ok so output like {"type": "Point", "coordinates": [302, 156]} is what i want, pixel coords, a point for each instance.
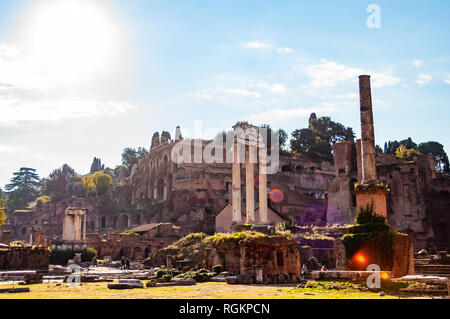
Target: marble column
{"type": "Point", "coordinates": [84, 226]}
{"type": "Point", "coordinates": [236, 185]}
{"type": "Point", "coordinates": [263, 186]}
{"type": "Point", "coordinates": [249, 185]}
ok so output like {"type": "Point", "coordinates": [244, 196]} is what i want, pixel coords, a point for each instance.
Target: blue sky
{"type": "Point", "coordinates": [89, 81]}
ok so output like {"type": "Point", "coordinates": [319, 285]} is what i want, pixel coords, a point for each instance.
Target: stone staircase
{"type": "Point", "coordinates": [436, 270]}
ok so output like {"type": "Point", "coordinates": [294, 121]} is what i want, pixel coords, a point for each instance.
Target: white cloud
{"type": "Point", "coordinates": [257, 45]}
{"type": "Point", "coordinates": [417, 63]}
{"type": "Point", "coordinates": [283, 115]}
{"type": "Point", "coordinates": [285, 50]}
{"type": "Point", "coordinates": [274, 88]}
{"type": "Point", "coordinates": [423, 79]}
{"type": "Point", "coordinates": [17, 112]}
{"type": "Point", "coordinates": [331, 74]}
{"type": "Point", "coordinates": [447, 81]}
{"type": "Point", "coordinates": [240, 92]}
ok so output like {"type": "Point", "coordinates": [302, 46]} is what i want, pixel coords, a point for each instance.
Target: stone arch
{"type": "Point", "coordinates": [125, 252]}
{"type": "Point", "coordinates": [138, 254]}
{"type": "Point", "coordinates": [352, 188]}
{"type": "Point", "coordinates": [160, 189]}
{"type": "Point", "coordinates": [165, 168]}
{"type": "Point", "coordinates": [113, 222]}
{"type": "Point", "coordinates": [136, 220]}
{"type": "Point", "coordinates": [124, 221]}
{"type": "Point", "coordinates": [148, 251]}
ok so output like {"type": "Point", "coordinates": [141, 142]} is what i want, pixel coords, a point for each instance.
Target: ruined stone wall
{"type": "Point", "coordinates": [417, 203]}
{"type": "Point", "coordinates": [28, 258]}
{"type": "Point", "coordinates": [282, 258]}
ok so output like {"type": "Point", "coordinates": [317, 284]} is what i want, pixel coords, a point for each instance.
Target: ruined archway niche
{"type": "Point", "coordinates": [74, 224]}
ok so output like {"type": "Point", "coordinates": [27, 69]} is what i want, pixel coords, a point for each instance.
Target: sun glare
{"type": "Point", "coordinates": [73, 40]}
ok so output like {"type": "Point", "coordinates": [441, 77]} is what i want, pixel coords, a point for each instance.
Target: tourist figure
{"type": "Point", "coordinates": [127, 264]}
{"type": "Point", "coordinates": [123, 263]}
{"type": "Point", "coordinates": [305, 270]}
{"type": "Point", "coordinates": [94, 261]}
{"type": "Point", "coordinates": [323, 268]}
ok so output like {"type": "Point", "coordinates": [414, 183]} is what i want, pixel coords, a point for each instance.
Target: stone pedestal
{"type": "Point", "coordinates": [375, 196]}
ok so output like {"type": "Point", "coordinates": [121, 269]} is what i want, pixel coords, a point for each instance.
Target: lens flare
{"type": "Point", "coordinates": [276, 195]}
{"type": "Point", "coordinates": [360, 258]}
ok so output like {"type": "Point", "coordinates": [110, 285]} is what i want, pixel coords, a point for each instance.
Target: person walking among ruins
{"type": "Point", "coordinates": [127, 264]}
{"type": "Point", "coordinates": [305, 270]}
{"type": "Point", "coordinates": [94, 261]}
{"type": "Point", "coordinates": [123, 263]}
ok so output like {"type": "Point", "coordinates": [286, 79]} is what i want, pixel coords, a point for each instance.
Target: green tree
{"type": "Point", "coordinates": [318, 139]}
{"type": "Point", "coordinates": [102, 182]}
{"type": "Point", "coordinates": [130, 156]}
{"type": "Point", "coordinates": [440, 156]}
{"type": "Point", "coordinates": [97, 165]}
{"type": "Point", "coordinates": [56, 183]}
{"type": "Point", "coordinates": [409, 144]}
{"type": "Point", "coordinates": [2, 214]}
{"type": "Point", "coordinates": [97, 183]}
{"type": "Point", "coordinates": [391, 147]}
{"type": "Point", "coordinates": [23, 188]}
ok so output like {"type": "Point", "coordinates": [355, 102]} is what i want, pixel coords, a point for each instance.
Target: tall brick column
{"type": "Point", "coordinates": [369, 190]}
{"type": "Point", "coordinates": [369, 171]}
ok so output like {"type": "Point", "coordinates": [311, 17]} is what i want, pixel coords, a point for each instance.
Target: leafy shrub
{"type": "Point", "coordinates": [368, 216]}
{"type": "Point", "coordinates": [62, 256]}
{"type": "Point", "coordinates": [370, 236]}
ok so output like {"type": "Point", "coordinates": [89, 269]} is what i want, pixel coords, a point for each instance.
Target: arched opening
{"type": "Point", "coordinates": [165, 165]}
{"type": "Point", "coordinates": [125, 252]}
{"type": "Point", "coordinates": [103, 223]}
{"type": "Point", "coordinates": [286, 168]}
{"type": "Point", "coordinates": [136, 220]}
{"type": "Point", "coordinates": [138, 254]}
{"type": "Point", "coordinates": [280, 261]}
{"type": "Point", "coordinates": [299, 168]}
{"type": "Point", "coordinates": [148, 251]}
{"type": "Point", "coordinates": [352, 188]}
{"type": "Point", "coordinates": [123, 221]}
{"type": "Point", "coordinates": [160, 189]}
{"type": "Point", "coordinates": [114, 222]}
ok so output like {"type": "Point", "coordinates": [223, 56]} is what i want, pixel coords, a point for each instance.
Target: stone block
{"type": "Point", "coordinates": [122, 286]}
{"type": "Point", "coordinates": [232, 280]}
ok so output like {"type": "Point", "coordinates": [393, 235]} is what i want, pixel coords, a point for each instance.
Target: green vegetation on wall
{"type": "Point", "coordinates": [369, 241]}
